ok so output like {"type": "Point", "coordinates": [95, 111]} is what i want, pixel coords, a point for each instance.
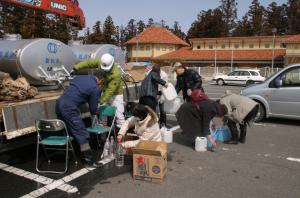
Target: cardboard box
{"type": "Point", "coordinates": [150, 161]}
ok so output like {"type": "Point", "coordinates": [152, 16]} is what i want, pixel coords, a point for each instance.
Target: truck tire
{"type": "Point", "coordinates": [220, 82]}
{"type": "Point", "coordinates": [261, 114]}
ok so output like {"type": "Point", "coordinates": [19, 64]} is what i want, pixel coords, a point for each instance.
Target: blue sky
{"type": "Point", "coordinates": [183, 11]}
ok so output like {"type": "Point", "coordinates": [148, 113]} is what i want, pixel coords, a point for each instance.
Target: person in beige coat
{"type": "Point", "coordinates": [145, 123]}
{"type": "Point", "coordinates": [240, 110]}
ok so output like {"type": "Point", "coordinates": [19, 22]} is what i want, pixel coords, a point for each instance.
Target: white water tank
{"type": "Point", "coordinates": [40, 61]}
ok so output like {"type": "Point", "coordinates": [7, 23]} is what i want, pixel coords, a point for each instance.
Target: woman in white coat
{"type": "Point", "coordinates": [145, 123]}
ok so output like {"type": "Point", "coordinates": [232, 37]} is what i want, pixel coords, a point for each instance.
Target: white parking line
{"type": "Point", "coordinates": [35, 177]}
{"type": "Point", "coordinates": [61, 183]}
{"type": "Point", "coordinates": [293, 159]}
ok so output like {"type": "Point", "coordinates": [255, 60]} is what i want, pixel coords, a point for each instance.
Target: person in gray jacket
{"type": "Point", "coordinates": [240, 110]}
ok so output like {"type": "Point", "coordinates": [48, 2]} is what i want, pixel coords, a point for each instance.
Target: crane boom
{"type": "Point", "coordinates": [68, 8]}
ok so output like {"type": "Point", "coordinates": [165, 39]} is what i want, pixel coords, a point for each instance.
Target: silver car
{"type": "Point", "coordinates": [279, 95]}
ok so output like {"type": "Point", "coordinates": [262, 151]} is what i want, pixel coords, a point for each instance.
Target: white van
{"type": "Point", "coordinates": [279, 95]}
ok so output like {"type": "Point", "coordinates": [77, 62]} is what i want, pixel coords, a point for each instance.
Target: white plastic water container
{"type": "Point", "coordinates": [172, 106]}
{"type": "Point", "coordinates": [167, 135]}
{"type": "Point", "coordinates": [201, 144]}
{"type": "Point", "coordinates": [170, 92]}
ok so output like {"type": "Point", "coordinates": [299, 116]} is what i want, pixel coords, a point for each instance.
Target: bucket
{"type": "Point", "coordinates": [167, 135]}
{"type": "Point", "coordinates": [201, 144]}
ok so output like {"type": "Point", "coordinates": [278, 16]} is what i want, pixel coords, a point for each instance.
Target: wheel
{"type": "Point", "coordinates": [249, 82]}
{"type": "Point", "coordinates": [220, 82]}
{"type": "Point", "coordinates": [261, 114]}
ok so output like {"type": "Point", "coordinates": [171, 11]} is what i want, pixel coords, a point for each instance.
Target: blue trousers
{"type": "Point", "coordinates": [70, 114]}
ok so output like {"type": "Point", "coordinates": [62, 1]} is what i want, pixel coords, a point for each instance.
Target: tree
{"type": "Point", "coordinates": [96, 36]}
{"type": "Point", "coordinates": [131, 30]}
{"type": "Point", "coordinates": [122, 37]}
{"type": "Point", "coordinates": [276, 17]}
{"type": "Point", "coordinates": [176, 29]}
{"type": "Point", "coordinates": [109, 30]}
{"type": "Point", "coordinates": [140, 26]}
{"type": "Point", "coordinates": [243, 27]}
{"type": "Point", "coordinates": [150, 22]}
{"type": "Point", "coordinates": [293, 13]}
{"type": "Point", "coordinates": [229, 15]}
{"type": "Point", "coordinates": [208, 24]}
{"type": "Point", "coordinates": [256, 18]}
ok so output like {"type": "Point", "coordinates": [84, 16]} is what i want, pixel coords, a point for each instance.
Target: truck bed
{"type": "Point", "coordinates": [18, 118]}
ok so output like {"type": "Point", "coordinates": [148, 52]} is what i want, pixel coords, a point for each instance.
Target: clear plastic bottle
{"type": "Point", "coordinates": [112, 148]}
{"type": "Point", "coordinates": [95, 121]}
{"type": "Point", "coordinates": [119, 162]}
{"type": "Point", "coordinates": [106, 149]}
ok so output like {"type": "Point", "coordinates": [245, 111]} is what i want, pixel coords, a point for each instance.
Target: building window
{"type": "Point", "coordinates": [211, 46]}
{"type": "Point", "coordinates": [295, 47]}
{"type": "Point", "coordinates": [251, 45]}
{"type": "Point", "coordinates": [142, 48]}
{"type": "Point", "coordinates": [134, 47]}
{"type": "Point", "coordinates": [171, 48]}
{"type": "Point", "coordinates": [147, 48]}
{"type": "Point", "coordinates": [198, 47]}
{"type": "Point", "coordinates": [223, 46]}
{"type": "Point", "coordinates": [236, 45]}
{"type": "Point", "coordinates": [267, 45]}
{"type": "Point", "coordinates": [158, 48]}
{"type": "Point", "coordinates": [163, 49]}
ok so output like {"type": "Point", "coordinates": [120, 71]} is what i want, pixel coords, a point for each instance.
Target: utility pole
{"type": "Point", "coordinates": [274, 30]}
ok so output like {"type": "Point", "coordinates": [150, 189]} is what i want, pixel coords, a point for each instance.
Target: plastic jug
{"type": "Point", "coordinates": [201, 144]}
{"type": "Point", "coordinates": [170, 92]}
{"type": "Point", "coordinates": [167, 135]}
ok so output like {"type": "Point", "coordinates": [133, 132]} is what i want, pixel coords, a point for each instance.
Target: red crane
{"type": "Point", "coordinates": [68, 8]}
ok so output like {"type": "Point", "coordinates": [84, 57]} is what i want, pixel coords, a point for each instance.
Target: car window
{"type": "Point", "coordinates": [244, 73]}
{"type": "Point", "coordinates": [253, 73]}
{"type": "Point", "coordinates": [234, 73]}
{"type": "Point", "coordinates": [291, 78]}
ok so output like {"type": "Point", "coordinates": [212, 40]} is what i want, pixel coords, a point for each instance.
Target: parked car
{"type": "Point", "coordinates": [239, 77]}
{"type": "Point", "coordinates": [279, 95]}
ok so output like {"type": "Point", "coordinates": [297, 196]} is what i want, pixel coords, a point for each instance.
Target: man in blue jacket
{"type": "Point", "coordinates": [83, 89]}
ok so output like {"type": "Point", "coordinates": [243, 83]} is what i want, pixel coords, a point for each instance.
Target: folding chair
{"type": "Point", "coordinates": [109, 112]}
{"type": "Point", "coordinates": [53, 135]}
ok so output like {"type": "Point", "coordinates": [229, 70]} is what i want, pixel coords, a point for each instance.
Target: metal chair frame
{"type": "Point", "coordinates": [68, 145]}
{"type": "Point", "coordinates": [112, 127]}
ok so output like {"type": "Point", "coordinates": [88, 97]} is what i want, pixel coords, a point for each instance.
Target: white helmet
{"type": "Point", "coordinates": [107, 61]}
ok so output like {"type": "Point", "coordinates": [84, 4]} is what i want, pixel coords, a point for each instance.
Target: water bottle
{"type": "Point", "coordinates": [119, 162]}
{"type": "Point", "coordinates": [106, 149]}
{"type": "Point", "coordinates": [112, 147]}
{"type": "Point", "coordinates": [95, 121]}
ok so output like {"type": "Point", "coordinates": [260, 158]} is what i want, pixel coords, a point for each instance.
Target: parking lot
{"type": "Point", "coordinates": [268, 165]}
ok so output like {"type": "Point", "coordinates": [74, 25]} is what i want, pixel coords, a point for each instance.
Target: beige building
{"type": "Point", "coordinates": [255, 51]}
{"type": "Point", "coordinates": [151, 43]}
{"type": "Point", "coordinates": [292, 49]}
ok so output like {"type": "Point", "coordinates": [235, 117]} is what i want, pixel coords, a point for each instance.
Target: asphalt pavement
{"type": "Point", "coordinates": [268, 165]}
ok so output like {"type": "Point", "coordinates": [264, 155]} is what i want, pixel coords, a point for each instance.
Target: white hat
{"type": "Point", "coordinates": [177, 64]}
{"type": "Point", "coordinates": [107, 61]}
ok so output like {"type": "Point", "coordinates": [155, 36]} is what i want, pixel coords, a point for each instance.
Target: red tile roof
{"type": "Point", "coordinates": [293, 39]}
{"type": "Point", "coordinates": [186, 53]}
{"type": "Point", "coordinates": [157, 35]}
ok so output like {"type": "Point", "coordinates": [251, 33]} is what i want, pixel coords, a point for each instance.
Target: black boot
{"type": "Point", "coordinates": [234, 132]}
{"type": "Point", "coordinates": [243, 128]}
{"type": "Point", "coordinates": [87, 159]}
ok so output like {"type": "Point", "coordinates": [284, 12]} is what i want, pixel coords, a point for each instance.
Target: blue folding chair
{"type": "Point", "coordinates": [53, 135]}
{"type": "Point", "coordinates": [109, 112]}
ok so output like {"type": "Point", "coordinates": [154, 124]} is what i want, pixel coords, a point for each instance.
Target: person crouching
{"type": "Point", "coordinates": [145, 123]}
